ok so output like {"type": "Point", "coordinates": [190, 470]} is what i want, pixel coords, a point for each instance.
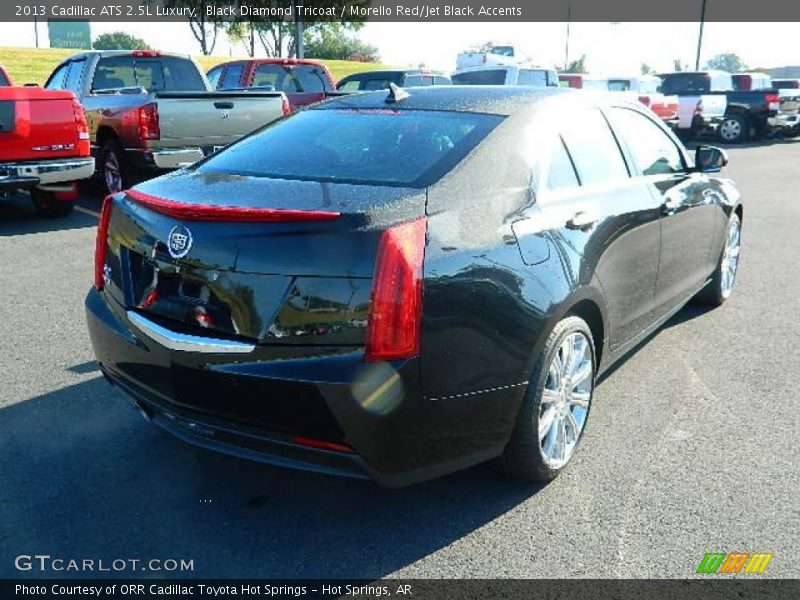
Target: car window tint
{"type": "Point", "coordinates": [349, 86]}
{"type": "Point", "coordinates": [213, 77]}
{"type": "Point", "coordinates": [58, 78]}
{"type": "Point", "coordinates": [482, 77]}
{"type": "Point", "coordinates": [441, 80]}
{"type": "Point", "coordinates": [562, 172]}
{"type": "Point", "coordinates": [593, 148]}
{"type": "Point", "coordinates": [376, 84]}
{"type": "Point", "coordinates": [164, 73]}
{"type": "Point", "coordinates": [311, 79]}
{"type": "Point", "coordinates": [3, 79]}
{"type": "Point", "coordinates": [653, 152]}
{"type": "Point", "coordinates": [74, 77]}
{"type": "Point", "coordinates": [619, 85]}
{"type": "Point", "coordinates": [370, 146]}
{"type": "Point", "coordinates": [232, 77]}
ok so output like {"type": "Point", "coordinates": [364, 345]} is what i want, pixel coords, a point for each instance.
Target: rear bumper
{"type": "Point", "coordinates": [166, 159]}
{"type": "Point", "coordinates": [397, 437]}
{"type": "Point", "coordinates": [781, 121]}
{"type": "Point", "coordinates": [27, 174]}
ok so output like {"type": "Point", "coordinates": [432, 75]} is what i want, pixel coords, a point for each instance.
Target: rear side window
{"type": "Point", "coordinates": [75, 76]}
{"type": "Point", "coordinates": [653, 152]}
{"type": "Point", "coordinates": [441, 80]}
{"type": "Point", "coordinates": [593, 148]}
{"type": "Point", "coordinates": [380, 83]}
{"type": "Point", "coordinates": [213, 77]}
{"type": "Point", "coordinates": [350, 85]}
{"type": "Point", "coordinates": [483, 77]}
{"type": "Point", "coordinates": [58, 79]}
{"type": "Point", "coordinates": [532, 77]}
{"type": "Point", "coordinates": [685, 83]}
{"type": "Point", "coordinates": [418, 80]}
{"type": "Point", "coordinates": [3, 79]}
{"type": "Point", "coordinates": [155, 74]}
{"type": "Point", "coordinates": [311, 79]}
{"type": "Point", "coordinates": [371, 146]}
{"type": "Point", "coordinates": [562, 173]}
{"type": "Point", "coordinates": [293, 78]}
{"type": "Point", "coordinates": [619, 85]}
{"type": "Point", "coordinates": [232, 77]}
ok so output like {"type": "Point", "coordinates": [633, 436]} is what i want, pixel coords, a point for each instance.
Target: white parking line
{"type": "Point", "coordinates": [86, 211]}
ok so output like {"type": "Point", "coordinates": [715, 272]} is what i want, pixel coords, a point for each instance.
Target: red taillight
{"type": "Point", "coordinates": [149, 128]}
{"type": "Point", "coordinates": [320, 444]}
{"type": "Point", "coordinates": [393, 330]}
{"type": "Point", "coordinates": [229, 214]}
{"type": "Point", "coordinates": [286, 108]}
{"type": "Point", "coordinates": [645, 100]}
{"type": "Point", "coordinates": [773, 101]}
{"type": "Point", "coordinates": [67, 195]}
{"type": "Point", "coordinates": [698, 109]}
{"type": "Point", "coordinates": [84, 147]}
{"type": "Point", "coordinates": [101, 243]}
{"type": "Point", "coordinates": [145, 53]}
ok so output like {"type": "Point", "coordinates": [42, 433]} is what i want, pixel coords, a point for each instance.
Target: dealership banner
{"type": "Point", "coordinates": [210, 11]}
{"type": "Point", "coordinates": [409, 589]}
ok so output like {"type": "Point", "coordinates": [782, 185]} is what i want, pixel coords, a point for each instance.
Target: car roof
{"type": "Point", "coordinates": [392, 72]}
{"type": "Point", "coordinates": [491, 99]}
{"type": "Point", "coordinates": [108, 53]}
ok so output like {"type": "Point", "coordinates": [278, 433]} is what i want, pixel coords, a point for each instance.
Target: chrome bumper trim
{"type": "Point", "coordinates": [183, 342]}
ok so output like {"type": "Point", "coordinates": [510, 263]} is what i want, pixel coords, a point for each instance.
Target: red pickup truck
{"type": "Point", "coordinates": [44, 147]}
{"type": "Point", "coordinates": [303, 81]}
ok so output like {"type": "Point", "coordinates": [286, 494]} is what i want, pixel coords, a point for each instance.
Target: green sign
{"type": "Point", "coordinates": [75, 35]}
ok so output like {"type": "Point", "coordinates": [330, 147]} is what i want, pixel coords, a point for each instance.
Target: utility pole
{"type": "Point", "coordinates": [36, 30]}
{"type": "Point", "coordinates": [700, 37]}
{"type": "Point", "coordinates": [300, 50]}
{"type": "Point", "coordinates": [566, 50]}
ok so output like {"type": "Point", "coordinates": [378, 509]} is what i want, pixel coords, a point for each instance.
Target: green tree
{"type": "Point", "coordinates": [332, 43]}
{"type": "Point", "coordinates": [728, 61]}
{"type": "Point", "coordinates": [647, 69]}
{"type": "Point", "coordinates": [204, 27]}
{"type": "Point", "coordinates": [577, 66]}
{"type": "Point", "coordinates": [676, 65]}
{"type": "Point", "coordinates": [119, 40]}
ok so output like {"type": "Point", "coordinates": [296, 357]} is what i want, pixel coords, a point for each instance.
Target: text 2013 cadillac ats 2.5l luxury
{"type": "Point", "coordinates": [402, 284]}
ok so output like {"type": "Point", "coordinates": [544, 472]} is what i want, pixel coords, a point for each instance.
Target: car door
{"type": "Point", "coordinates": [687, 209]}
{"type": "Point", "coordinates": [610, 219]}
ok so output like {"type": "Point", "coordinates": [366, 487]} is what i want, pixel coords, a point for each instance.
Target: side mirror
{"type": "Point", "coordinates": [710, 159]}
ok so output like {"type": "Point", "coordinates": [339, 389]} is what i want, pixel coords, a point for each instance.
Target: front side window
{"type": "Point", "coordinates": [534, 77]}
{"type": "Point", "coordinates": [652, 150]}
{"type": "Point", "coordinates": [370, 146]}
{"type": "Point", "coordinates": [593, 148]}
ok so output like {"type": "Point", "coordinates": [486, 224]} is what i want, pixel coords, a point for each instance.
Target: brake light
{"type": "Point", "coordinates": [393, 330]}
{"type": "Point", "coordinates": [699, 108]}
{"type": "Point", "coordinates": [773, 101]}
{"type": "Point", "coordinates": [84, 147]}
{"type": "Point", "coordinates": [645, 100]}
{"type": "Point", "coordinates": [149, 128]}
{"type": "Point", "coordinates": [286, 108]}
{"type": "Point", "coordinates": [145, 53]}
{"type": "Point", "coordinates": [101, 243]}
{"type": "Point", "coordinates": [229, 214]}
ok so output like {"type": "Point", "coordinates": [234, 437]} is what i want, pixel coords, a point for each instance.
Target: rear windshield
{"type": "Point", "coordinates": [482, 77]}
{"type": "Point", "coordinates": [375, 146]}
{"type": "Point", "coordinates": [292, 78]}
{"type": "Point", "coordinates": [155, 74]}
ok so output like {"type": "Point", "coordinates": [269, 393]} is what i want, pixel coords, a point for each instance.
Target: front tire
{"type": "Point", "coordinates": [555, 409]}
{"type": "Point", "coordinates": [48, 206]}
{"type": "Point", "coordinates": [734, 129]}
{"type": "Point", "coordinates": [719, 289]}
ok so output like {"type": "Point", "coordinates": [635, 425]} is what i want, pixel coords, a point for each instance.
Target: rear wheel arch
{"type": "Point", "coordinates": [589, 311]}
{"type": "Point", "coordinates": [104, 134]}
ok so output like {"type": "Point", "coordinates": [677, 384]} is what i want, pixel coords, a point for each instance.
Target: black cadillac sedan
{"type": "Point", "coordinates": [401, 284]}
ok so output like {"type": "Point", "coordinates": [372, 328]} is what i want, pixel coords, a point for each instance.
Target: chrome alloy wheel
{"type": "Point", "coordinates": [730, 256]}
{"type": "Point", "coordinates": [112, 172]}
{"type": "Point", "coordinates": [730, 129]}
{"type": "Point", "coordinates": [565, 400]}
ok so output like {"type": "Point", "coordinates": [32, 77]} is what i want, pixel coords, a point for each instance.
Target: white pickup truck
{"type": "Point", "coordinates": [149, 111]}
{"type": "Point", "coordinates": [698, 111]}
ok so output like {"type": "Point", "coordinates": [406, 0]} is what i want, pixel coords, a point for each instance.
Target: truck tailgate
{"type": "Point", "coordinates": [213, 118]}
{"type": "Point", "coordinates": [714, 105]}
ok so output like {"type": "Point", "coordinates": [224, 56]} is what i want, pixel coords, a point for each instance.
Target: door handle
{"type": "Point", "coordinates": [581, 221]}
{"type": "Point", "coordinates": [670, 206]}
{"type": "Point", "coordinates": [223, 105]}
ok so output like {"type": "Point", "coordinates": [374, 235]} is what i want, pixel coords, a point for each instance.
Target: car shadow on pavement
{"type": "Point", "coordinates": [17, 217]}
{"type": "Point", "coordinates": [85, 477]}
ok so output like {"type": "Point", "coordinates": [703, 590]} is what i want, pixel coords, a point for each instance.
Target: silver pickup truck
{"type": "Point", "coordinates": [149, 112]}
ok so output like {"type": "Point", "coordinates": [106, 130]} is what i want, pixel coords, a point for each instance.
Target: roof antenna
{"type": "Point", "coordinates": [396, 94]}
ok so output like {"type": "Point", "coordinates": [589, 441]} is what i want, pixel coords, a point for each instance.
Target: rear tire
{"type": "Point", "coordinates": [113, 167]}
{"type": "Point", "coordinates": [545, 437]}
{"type": "Point", "coordinates": [734, 129]}
{"type": "Point", "coordinates": [48, 206]}
{"type": "Point", "coordinates": [719, 289]}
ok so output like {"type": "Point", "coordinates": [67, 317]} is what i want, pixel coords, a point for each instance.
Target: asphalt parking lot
{"type": "Point", "coordinates": [691, 447]}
